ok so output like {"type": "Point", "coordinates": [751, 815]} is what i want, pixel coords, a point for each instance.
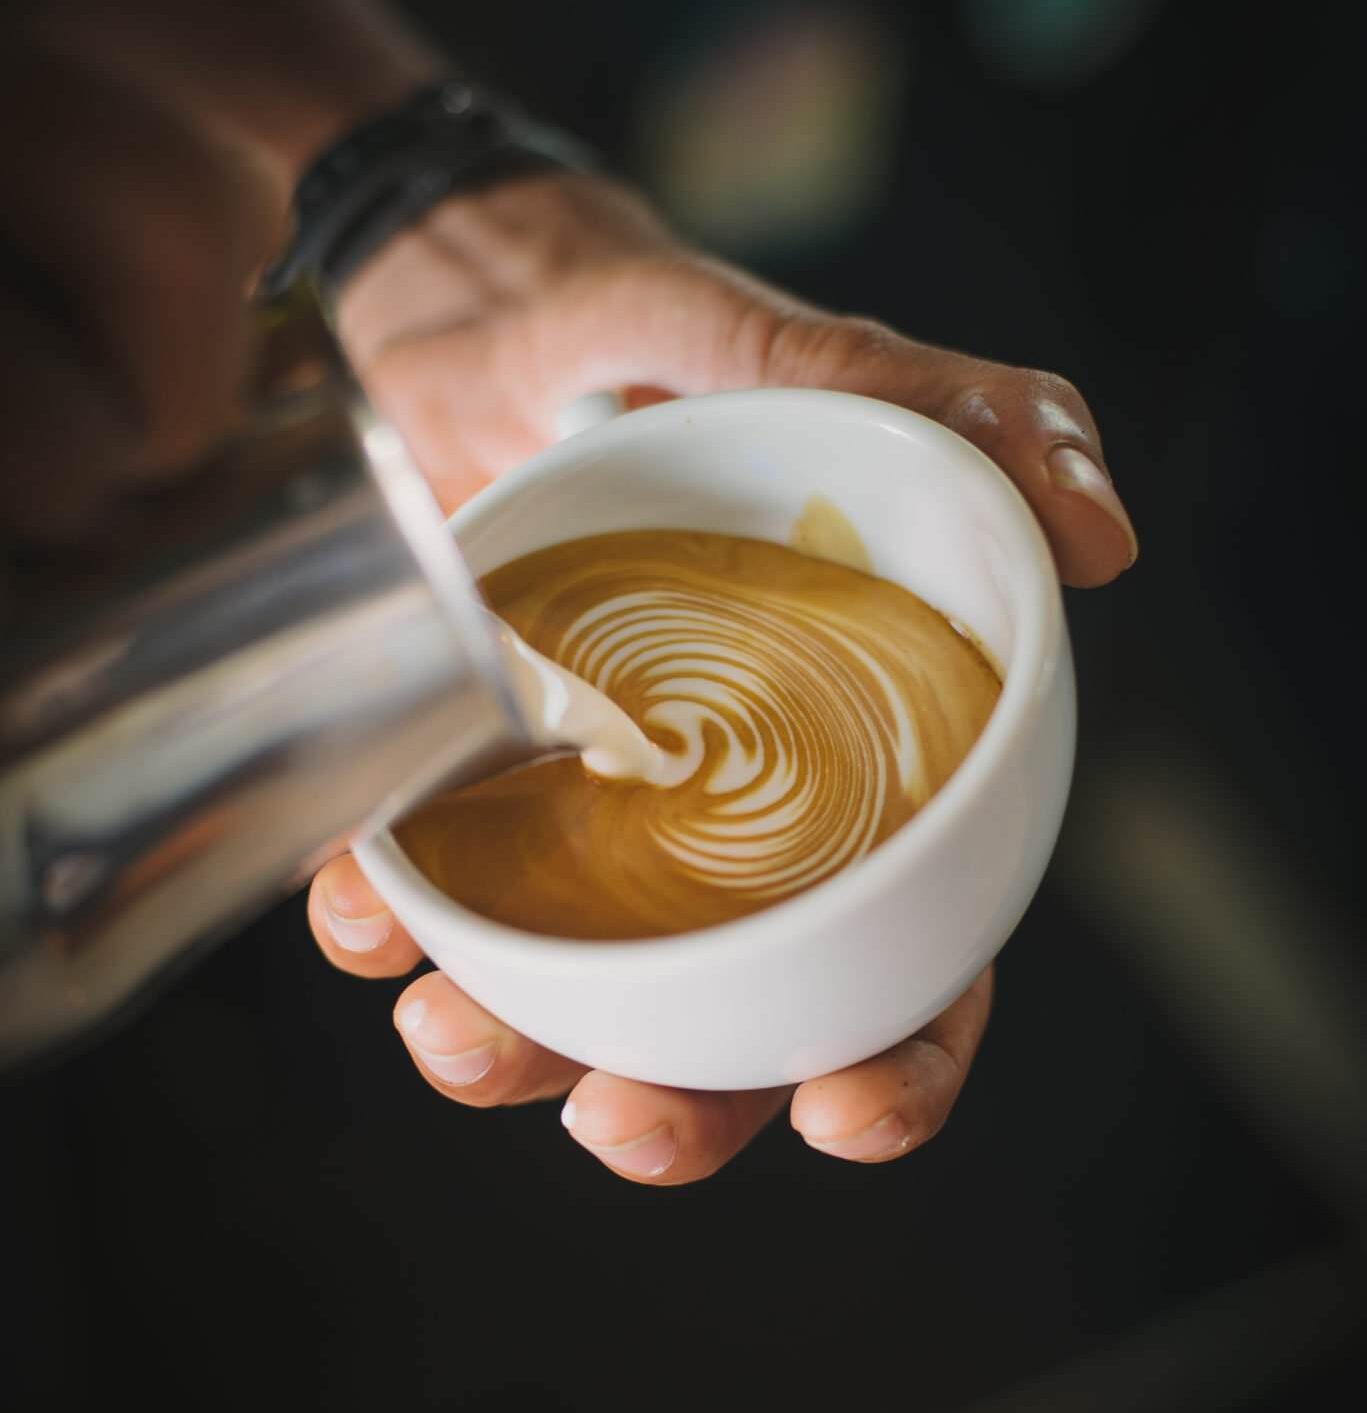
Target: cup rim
{"type": "Point", "coordinates": [1038, 643]}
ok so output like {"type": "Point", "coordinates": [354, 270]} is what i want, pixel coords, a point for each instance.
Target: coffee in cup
{"type": "Point", "coordinates": [803, 709]}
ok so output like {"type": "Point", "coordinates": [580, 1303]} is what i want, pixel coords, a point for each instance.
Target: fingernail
{"type": "Point", "coordinates": [1073, 471]}
{"type": "Point", "coordinates": [889, 1136]}
{"type": "Point", "coordinates": [647, 1156]}
{"type": "Point", "coordinates": [460, 1069]}
{"type": "Point", "coordinates": [359, 934]}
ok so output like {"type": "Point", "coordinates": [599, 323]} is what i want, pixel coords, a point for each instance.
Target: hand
{"type": "Point", "coordinates": [138, 210]}
{"type": "Point", "coordinates": [158, 144]}
{"type": "Point", "coordinates": [99, 303]}
{"type": "Point", "coordinates": [472, 331]}
{"type": "Point", "coordinates": [869, 1113]}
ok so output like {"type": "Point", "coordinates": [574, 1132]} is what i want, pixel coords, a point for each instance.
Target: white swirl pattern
{"type": "Point", "coordinates": [801, 711]}
{"type": "Point", "coordinates": [812, 730]}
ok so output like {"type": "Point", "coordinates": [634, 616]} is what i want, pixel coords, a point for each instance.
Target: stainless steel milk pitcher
{"type": "Point", "coordinates": [232, 675]}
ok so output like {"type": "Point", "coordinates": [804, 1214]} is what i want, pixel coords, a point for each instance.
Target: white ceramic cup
{"type": "Point", "coordinates": [838, 973]}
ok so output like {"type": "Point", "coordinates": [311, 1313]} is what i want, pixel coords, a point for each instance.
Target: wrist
{"type": "Point", "coordinates": [308, 114]}
{"type": "Point", "coordinates": [307, 123]}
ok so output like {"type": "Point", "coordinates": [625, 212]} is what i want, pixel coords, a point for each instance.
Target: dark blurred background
{"type": "Point", "coordinates": [1154, 1192]}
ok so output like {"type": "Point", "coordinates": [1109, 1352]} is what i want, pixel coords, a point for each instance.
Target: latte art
{"type": "Point", "coordinates": [792, 729]}
{"type": "Point", "coordinates": [802, 712]}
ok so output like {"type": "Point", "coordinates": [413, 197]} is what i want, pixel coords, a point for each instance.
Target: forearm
{"type": "Point", "coordinates": [286, 77]}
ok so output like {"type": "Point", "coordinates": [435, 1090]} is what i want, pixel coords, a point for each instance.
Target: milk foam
{"type": "Point", "coordinates": [750, 721]}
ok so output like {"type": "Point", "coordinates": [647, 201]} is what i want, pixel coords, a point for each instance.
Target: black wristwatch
{"type": "Point", "coordinates": [450, 137]}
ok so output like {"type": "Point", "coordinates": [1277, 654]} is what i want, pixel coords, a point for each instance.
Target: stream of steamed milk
{"type": "Point", "coordinates": [562, 710]}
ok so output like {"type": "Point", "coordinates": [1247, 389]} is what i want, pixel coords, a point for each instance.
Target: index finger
{"type": "Point", "coordinates": [352, 925]}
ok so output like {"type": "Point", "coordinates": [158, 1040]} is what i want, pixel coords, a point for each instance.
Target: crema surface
{"type": "Point", "coordinates": [807, 710]}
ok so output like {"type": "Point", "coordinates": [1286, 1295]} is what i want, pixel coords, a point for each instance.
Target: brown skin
{"type": "Point", "coordinates": [151, 149]}
{"type": "Point", "coordinates": [141, 207]}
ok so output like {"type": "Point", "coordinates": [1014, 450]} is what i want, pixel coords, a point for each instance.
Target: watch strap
{"type": "Point", "coordinates": [449, 137]}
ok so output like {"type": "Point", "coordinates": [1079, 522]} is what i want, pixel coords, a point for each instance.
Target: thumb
{"type": "Point", "coordinates": [690, 325]}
